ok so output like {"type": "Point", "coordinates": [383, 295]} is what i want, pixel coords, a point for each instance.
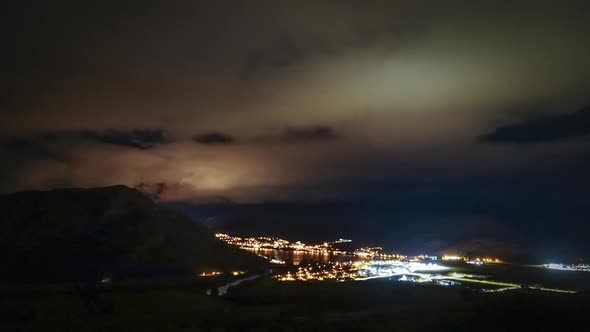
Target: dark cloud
{"type": "Point", "coordinates": [137, 138]}
{"type": "Point", "coordinates": [317, 133]}
{"type": "Point", "coordinates": [545, 129]}
{"type": "Point", "coordinates": [214, 138]}
{"type": "Point", "coordinates": [301, 134]}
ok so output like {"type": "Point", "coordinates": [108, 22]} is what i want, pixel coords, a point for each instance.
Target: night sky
{"type": "Point", "coordinates": [416, 125]}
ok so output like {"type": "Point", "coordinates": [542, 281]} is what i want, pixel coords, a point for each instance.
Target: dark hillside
{"type": "Point", "coordinates": [74, 234]}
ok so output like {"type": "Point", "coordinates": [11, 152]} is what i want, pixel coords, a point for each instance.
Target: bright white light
{"type": "Point", "coordinates": [451, 258]}
{"type": "Point", "coordinates": [416, 266]}
{"type": "Point", "coordinates": [563, 267]}
{"type": "Point", "coordinates": [391, 268]}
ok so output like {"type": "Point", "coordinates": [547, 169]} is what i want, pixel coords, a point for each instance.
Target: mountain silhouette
{"type": "Point", "coordinates": [82, 234]}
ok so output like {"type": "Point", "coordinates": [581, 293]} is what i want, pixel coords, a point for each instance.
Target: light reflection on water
{"type": "Point", "coordinates": [296, 256]}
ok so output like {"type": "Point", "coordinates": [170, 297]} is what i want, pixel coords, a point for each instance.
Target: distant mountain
{"type": "Point", "coordinates": [74, 234]}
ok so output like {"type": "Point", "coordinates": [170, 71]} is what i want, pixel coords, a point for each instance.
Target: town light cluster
{"type": "Point", "coordinates": [370, 263]}
{"type": "Point", "coordinates": [327, 248]}
{"type": "Point", "coordinates": [360, 270]}
{"type": "Point", "coordinates": [331, 248]}
{"type": "Point", "coordinates": [332, 271]}
{"type": "Point", "coordinates": [468, 260]}
{"type": "Point", "coordinates": [267, 242]}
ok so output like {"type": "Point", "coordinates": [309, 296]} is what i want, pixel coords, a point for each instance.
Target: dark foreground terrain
{"type": "Point", "coordinates": [266, 305]}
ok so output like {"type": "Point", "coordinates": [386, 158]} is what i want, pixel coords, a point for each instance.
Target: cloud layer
{"type": "Point", "coordinates": [266, 101]}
